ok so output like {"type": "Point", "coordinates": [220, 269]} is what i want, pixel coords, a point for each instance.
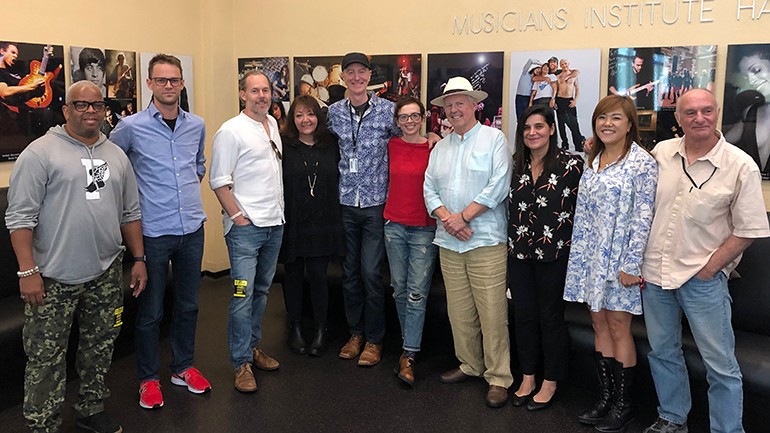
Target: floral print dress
{"type": "Point", "coordinates": [541, 214]}
{"type": "Point", "coordinates": [612, 223]}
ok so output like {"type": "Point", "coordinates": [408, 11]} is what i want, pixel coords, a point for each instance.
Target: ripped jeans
{"type": "Point", "coordinates": [411, 256]}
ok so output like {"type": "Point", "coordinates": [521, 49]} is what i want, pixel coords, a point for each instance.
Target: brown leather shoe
{"type": "Point", "coordinates": [371, 355]}
{"type": "Point", "coordinates": [454, 376]}
{"type": "Point", "coordinates": [263, 361]}
{"type": "Point", "coordinates": [352, 348]}
{"type": "Point", "coordinates": [405, 370]}
{"type": "Point", "coordinates": [497, 396]}
{"type": "Point", "coordinates": [244, 379]}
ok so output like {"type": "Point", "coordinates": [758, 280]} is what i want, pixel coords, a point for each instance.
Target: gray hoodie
{"type": "Point", "coordinates": [74, 198]}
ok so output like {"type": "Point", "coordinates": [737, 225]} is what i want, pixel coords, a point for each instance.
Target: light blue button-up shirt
{"type": "Point", "coordinates": [168, 166]}
{"type": "Point", "coordinates": [474, 168]}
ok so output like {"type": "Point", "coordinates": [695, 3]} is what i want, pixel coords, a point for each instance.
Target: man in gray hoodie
{"type": "Point", "coordinates": [72, 202]}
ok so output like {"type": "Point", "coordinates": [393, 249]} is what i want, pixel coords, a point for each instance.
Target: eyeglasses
{"type": "Point", "coordinates": [276, 150]}
{"type": "Point", "coordinates": [161, 81]}
{"type": "Point", "coordinates": [83, 105]}
{"type": "Point", "coordinates": [414, 117]}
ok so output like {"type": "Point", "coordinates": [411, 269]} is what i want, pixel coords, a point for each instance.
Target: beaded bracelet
{"type": "Point", "coordinates": [28, 272]}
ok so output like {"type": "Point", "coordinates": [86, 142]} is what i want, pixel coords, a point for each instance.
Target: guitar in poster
{"type": "Point", "coordinates": [31, 94]}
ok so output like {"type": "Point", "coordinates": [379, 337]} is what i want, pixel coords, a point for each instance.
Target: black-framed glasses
{"type": "Point", "coordinates": [414, 117]}
{"type": "Point", "coordinates": [83, 105]}
{"type": "Point", "coordinates": [162, 81]}
{"type": "Point", "coordinates": [276, 150]}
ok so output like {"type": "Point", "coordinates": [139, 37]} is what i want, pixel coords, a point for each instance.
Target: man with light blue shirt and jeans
{"type": "Point", "coordinates": [466, 186]}
{"type": "Point", "coordinates": [165, 145]}
{"type": "Point", "coordinates": [246, 176]}
{"type": "Point", "coordinates": [364, 124]}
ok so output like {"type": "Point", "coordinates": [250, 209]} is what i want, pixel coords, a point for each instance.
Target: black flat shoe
{"type": "Point", "coordinates": [534, 405]}
{"type": "Point", "coordinates": [519, 401]}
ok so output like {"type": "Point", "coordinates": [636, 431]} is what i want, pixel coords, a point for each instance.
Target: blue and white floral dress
{"type": "Point", "coordinates": [612, 222]}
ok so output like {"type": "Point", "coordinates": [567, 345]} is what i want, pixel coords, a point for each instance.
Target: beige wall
{"type": "Point", "coordinates": [217, 33]}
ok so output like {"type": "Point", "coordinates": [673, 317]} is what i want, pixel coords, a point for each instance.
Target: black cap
{"type": "Point", "coordinates": [351, 58]}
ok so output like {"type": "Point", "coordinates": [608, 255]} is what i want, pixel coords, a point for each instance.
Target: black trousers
{"type": "Point", "coordinates": [566, 116]}
{"type": "Point", "coordinates": [319, 289]}
{"type": "Point", "coordinates": [536, 290]}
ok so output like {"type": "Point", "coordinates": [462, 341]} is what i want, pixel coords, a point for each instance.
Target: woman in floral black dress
{"type": "Point", "coordinates": [542, 207]}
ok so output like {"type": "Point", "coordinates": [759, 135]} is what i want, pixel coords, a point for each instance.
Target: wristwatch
{"type": "Point", "coordinates": [140, 259]}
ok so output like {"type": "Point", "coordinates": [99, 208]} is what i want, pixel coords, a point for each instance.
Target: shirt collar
{"type": "Point", "coordinates": [154, 112]}
{"type": "Point", "coordinates": [714, 156]}
{"type": "Point", "coordinates": [471, 132]}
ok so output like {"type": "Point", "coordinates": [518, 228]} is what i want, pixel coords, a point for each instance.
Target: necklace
{"type": "Point", "coordinates": [310, 183]}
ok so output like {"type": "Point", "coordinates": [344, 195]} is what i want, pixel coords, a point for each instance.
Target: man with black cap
{"type": "Point", "coordinates": [364, 124]}
{"type": "Point", "coordinates": [466, 187]}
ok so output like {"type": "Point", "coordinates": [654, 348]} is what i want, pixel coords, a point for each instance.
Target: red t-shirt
{"type": "Point", "coordinates": [406, 204]}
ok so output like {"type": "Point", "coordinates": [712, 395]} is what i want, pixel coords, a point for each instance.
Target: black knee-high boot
{"type": "Point", "coordinates": [620, 413]}
{"type": "Point", "coordinates": [599, 410]}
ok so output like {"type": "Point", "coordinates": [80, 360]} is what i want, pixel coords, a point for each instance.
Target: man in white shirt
{"type": "Point", "coordinates": [708, 210]}
{"type": "Point", "coordinates": [246, 177]}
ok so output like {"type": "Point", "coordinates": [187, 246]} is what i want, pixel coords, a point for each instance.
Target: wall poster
{"type": "Point", "coordinates": [483, 70]}
{"type": "Point", "coordinates": [572, 76]}
{"type": "Point", "coordinates": [746, 113]}
{"type": "Point", "coordinates": [31, 94]}
{"type": "Point", "coordinates": [655, 78]}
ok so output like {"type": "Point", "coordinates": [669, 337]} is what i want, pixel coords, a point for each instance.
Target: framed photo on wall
{"type": "Point", "coordinates": [485, 72]}
{"type": "Point", "coordinates": [26, 115]}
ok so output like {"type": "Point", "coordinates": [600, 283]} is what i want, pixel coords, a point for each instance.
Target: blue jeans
{"type": "Point", "coordinates": [362, 285]}
{"type": "Point", "coordinates": [706, 304]}
{"type": "Point", "coordinates": [412, 256]}
{"type": "Point", "coordinates": [185, 253]}
{"type": "Point", "coordinates": [253, 257]}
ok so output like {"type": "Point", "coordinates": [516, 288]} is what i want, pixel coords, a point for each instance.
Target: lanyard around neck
{"type": "Point", "coordinates": [695, 185]}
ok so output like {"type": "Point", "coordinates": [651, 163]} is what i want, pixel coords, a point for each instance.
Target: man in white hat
{"type": "Point", "coordinates": [466, 186]}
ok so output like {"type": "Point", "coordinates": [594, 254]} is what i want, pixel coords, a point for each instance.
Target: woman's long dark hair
{"type": "Point", "coordinates": [290, 130]}
{"type": "Point", "coordinates": [522, 155]}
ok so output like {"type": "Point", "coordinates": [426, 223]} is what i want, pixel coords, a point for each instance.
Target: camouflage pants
{"type": "Point", "coordinates": [98, 307]}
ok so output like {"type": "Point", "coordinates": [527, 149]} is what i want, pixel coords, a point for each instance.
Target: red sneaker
{"type": "Point", "coordinates": [192, 379]}
{"type": "Point", "coordinates": [150, 396]}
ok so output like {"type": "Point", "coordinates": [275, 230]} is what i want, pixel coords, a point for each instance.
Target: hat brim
{"type": "Point", "coordinates": [478, 95]}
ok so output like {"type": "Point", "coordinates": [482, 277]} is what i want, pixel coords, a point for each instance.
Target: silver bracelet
{"type": "Point", "coordinates": [28, 272]}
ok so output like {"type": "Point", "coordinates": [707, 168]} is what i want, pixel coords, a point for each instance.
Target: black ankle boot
{"type": "Point", "coordinates": [620, 414]}
{"type": "Point", "coordinates": [318, 346]}
{"type": "Point", "coordinates": [296, 343]}
{"type": "Point", "coordinates": [595, 414]}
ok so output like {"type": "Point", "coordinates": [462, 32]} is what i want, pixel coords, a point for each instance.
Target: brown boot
{"type": "Point", "coordinates": [263, 361]}
{"type": "Point", "coordinates": [352, 348]}
{"type": "Point", "coordinates": [371, 355]}
{"type": "Point", "coordinates": [405, 370]}
{"type": "Point", "coordinates": [244, 379]}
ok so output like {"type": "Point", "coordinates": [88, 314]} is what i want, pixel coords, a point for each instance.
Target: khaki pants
{"type": "Point", "coordinates": [478, 311]}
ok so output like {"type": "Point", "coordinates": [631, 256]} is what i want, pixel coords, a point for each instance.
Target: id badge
{"type": "Point", "coordinates": [354, 165]}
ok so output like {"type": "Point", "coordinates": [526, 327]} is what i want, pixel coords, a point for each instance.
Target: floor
{"type": "Point", "coordinates": [323, 394]}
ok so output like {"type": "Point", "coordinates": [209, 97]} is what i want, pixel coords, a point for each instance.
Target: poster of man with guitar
{"type": "Point", "coordinates": [31, 94]}
{"type": "Point", "coordinates": [654, 77]}
{"type": "Point", "coordinates": [121, 74]}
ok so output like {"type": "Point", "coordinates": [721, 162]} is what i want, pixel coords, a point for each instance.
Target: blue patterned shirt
{"type": "Point", "coordinates": [365, 139]}
{"type": "Point", "coordinates": [168, 166]}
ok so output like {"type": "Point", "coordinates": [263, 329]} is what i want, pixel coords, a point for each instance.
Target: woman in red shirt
{"type": "Point", "coordinates": [409, 230]}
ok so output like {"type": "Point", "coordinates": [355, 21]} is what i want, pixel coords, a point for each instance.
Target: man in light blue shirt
{"type": "Point", "coordinates": [165, 145]}
{"type": "Point", "coordinates": [466, 186]}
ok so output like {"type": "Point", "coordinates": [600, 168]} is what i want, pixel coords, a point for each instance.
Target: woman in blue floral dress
{"type": "Point", "coordinates": [612, 222]}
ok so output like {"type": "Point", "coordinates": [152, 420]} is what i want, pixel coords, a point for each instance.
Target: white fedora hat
{"type": "Point", "coordinates": [459, 86]}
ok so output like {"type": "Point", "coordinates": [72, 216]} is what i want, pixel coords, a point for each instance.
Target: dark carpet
{"type": "Point", "coordinates": [323, 394]}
